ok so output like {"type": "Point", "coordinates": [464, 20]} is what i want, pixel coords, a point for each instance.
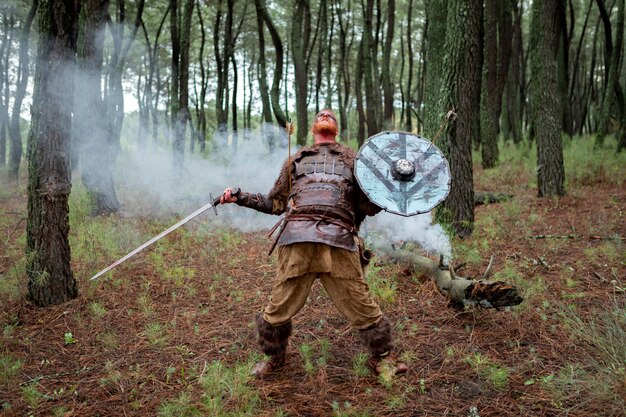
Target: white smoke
{"type": "Point", "coordinates": [386, 231]}
{"type": "Point", "coordinates": [148, 186]}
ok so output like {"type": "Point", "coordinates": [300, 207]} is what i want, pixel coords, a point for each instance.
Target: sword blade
{"type": "Point", "coordinates": [154, 239]}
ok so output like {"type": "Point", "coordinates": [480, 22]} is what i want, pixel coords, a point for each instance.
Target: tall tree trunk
{"type": "Point", "coordinates": [497, 47]}
{"type": "Point", "coordinates": [281, 117]}
{"type": "Point", "coordinates": [613, 89]}
{"type": "Point", "coordinates": [386, 66]}
{"type": "Point", "coordinates": [512, 104]}
{"type": "Point", "coordinates": [300, 31]}
{"type": "Point", "coordinates": [358, 88]}
{"type": "Point", "coordinates": [434, 116]}
{"type": "Point", "coordinates": [201, 102]}
{"type": "Point", "coordinates": [49, 176]}
{"type": "Point", "coordinates": [564, 68]}
{"type": "Point", "coordinates": [93, 142]}
{"type": "Point", "coordinates": [544, 43]}
{"type": "Point", "coordinates": [15, 135]}
{"type": "Point", "coordinates": [368, 70]}
{"type": "Point", "coordinates": [408, 125]}
{"type": "Point", "coordinates": [323, 48]}
{"type": "Point", "coordinates": [462, 53]}
{"type": "Point", "coordinates": [577, 84]}
{"type": "Point", "coordinates": [266, 108]}
{"type": "Point", "coordinates": [344, 69]}
{"type": "Point", "coordinates": [180, 123]}
{"type": "Point", "coordinates": [5, 90]}
{"type": "Point", "coordinates": [174, 100]}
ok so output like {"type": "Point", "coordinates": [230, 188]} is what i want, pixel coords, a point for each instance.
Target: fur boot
{"type": "Point", "coordinates": [273, 341]}
{"type": "Point", "coordinates": [379, 341]}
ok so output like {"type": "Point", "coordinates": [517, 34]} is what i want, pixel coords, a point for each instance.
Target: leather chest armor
{"type": "Point", "coordinates": [321, 206]}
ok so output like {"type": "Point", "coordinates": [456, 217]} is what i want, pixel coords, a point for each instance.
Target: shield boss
{"type": "Point", "coordinates": [402, 172]}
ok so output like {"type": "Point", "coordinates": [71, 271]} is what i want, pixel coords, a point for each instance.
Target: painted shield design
{"type": "Point", "coordinates": [403, 173]}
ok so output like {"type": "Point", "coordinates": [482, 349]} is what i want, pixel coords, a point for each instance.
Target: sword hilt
{"type": "Point", "coordinates": [216, 201]}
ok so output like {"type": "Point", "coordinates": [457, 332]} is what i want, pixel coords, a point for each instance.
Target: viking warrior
{"type": "Point", "coordinates": [323, 207]}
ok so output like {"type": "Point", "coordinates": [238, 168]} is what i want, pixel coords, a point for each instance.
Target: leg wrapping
{"type": "Point", "coordinates": [273, 339]}
{"type": "Point", "coordinates": [378, 338]}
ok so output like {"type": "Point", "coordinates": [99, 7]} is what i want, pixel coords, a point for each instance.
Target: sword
{"type": "Point", "coordinates": [213, 204]}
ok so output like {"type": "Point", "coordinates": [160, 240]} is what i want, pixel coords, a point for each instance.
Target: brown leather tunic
{"type": "Point", "coordinates": [321, 198]}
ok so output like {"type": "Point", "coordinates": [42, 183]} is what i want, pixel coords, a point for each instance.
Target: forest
{"type": "Point", "coordinates": [118, 118]}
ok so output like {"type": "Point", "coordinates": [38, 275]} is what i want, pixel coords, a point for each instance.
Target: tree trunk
{"type": "Point", "coordinates": [577, 82]}
{"type": "Point", "coordinates": [434, 115]}
{"type": "Point", "coordinates": [93, 142]}
{"type": "Point", "coordinates": [368, 70]}
{"type": "Point", "coordinates": [462, 54]}
{"type": "Point", "coordinates": [300, 32]}
{"type": "Point", "coordinates": [180, 123]}
{"type": "Point", "coordinates": [201, 103]}
{"type": "Point", "coordinates": [344, 69]}
{"type": "Point", "coordinates": [497, 47]}
{"type": "Point", "coordinates": [266, 108]}
{"type": "Point", "coordinates": [49, 176]}
{"type": "Point", "coordinates": [386, 66]}
{"type": "Point", "coordinates": [358, 88]}
{"type": "Point", "coordinates": [513, 103]}
{"type": "Point", "coordinates": [544, 43]}
{"type": "Point", "coordinates": [5, 91]}
{"type": "Point", "coordinates": [221, 62]}
{"type": "Point", "coordinates": [613, 88]}
{"type": "Point", "coordinates": [408, 124]}
{"type": "Point", "coordinates": [281, 117]}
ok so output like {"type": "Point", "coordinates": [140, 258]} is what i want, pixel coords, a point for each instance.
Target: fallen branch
{"type": "Point", "coordinates": [489, 198]}
{"type": "Point", "coordinates": [462, 292]}
{"type": "Point", "coordinates": [554, 237]}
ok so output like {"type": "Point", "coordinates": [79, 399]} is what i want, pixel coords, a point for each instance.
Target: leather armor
{"type": "Point", "coordinates": [321, 205]}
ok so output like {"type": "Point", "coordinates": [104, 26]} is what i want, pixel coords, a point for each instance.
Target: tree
{"type": "Point", "coordinates": [436, 35]}
{"type": "Point", "coordinates": [545, 106]}
{"type": "Point", "coordinates": [613, 89]}
{"type": "Point", "coordinates": [49, 178]}
{"type": "Point", "coordinates": [457, 91]}
{"type": "Point", "coordinates": [300, 33]}
{"type": "Point", "coordinates": [386, 66]}
{"type": "Point", "coordinates": [497, 47]}
{"type": "Point", "coordinates": [95, 145]}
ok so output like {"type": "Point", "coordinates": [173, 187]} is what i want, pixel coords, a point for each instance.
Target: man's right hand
{"type": "Point", "coordinates": [227, 197]}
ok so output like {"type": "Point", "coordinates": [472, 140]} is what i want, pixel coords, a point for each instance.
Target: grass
{"type": "Point", "coordinates": [496, 375]}
{"type": "Point", "coordinates": [602, 335]}
{"type": "Point", "coordinates": [382, 284]}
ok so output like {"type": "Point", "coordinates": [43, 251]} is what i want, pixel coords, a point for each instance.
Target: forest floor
{"type": "Point", "coordinates": [171, 332]}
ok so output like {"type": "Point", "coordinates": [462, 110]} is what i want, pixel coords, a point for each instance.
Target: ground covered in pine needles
{"type": "Point", "coordinates": [171, 332]}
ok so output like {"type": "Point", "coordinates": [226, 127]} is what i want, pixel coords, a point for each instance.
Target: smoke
{"type": "Point", "coordinates": [386, 231]}
{"type": "Point", "coordinates": [250, 160]}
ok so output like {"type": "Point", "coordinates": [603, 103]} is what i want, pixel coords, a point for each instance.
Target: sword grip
{"type": "Point", "coordinates": [234, 191]}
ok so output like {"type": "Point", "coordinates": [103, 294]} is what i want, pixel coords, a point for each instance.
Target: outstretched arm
{"type": "Point", "coordinates": [258, 202]}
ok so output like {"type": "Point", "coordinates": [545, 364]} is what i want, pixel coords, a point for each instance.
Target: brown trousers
{"type": "Point", "coordinates": [339, 271]}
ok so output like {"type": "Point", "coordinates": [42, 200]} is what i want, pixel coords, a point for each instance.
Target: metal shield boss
{"type": "Point", "coordinates": [403, 173]}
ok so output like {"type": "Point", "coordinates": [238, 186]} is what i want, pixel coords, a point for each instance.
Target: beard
{"type": "Point", "coordinates": [325, 127]}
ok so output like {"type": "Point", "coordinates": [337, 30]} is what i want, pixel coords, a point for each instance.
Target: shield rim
{"type": "Point", "coordinates": [386, 132]}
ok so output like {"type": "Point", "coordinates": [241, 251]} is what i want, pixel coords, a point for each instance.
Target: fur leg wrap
{"type": "Point", "coordinates": [273, 339]}
{"type": "Point", "coordinates": [378, 338]}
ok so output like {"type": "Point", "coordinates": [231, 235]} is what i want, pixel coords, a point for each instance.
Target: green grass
{"type": "Point", "coordinates": [496, 375]}
{"type": "Point", "coordinates": [10, 367]}
{"type": "Point", "coordinates": [382, 284]}
{"type": "Point", "coordinates": [603, 367]}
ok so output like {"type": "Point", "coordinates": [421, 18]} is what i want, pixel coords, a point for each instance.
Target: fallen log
{"type": "Point", "coordinates": [461, 292]}
{"type": "Point", "coordinates": [488, 198]}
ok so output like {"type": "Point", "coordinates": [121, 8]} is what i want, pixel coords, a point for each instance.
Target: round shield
{"type": "Point", "coordinates": [402, 172]}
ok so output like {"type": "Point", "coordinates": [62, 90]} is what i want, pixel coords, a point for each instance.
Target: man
{"type": "Point", "coordinates": [324, 208]}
